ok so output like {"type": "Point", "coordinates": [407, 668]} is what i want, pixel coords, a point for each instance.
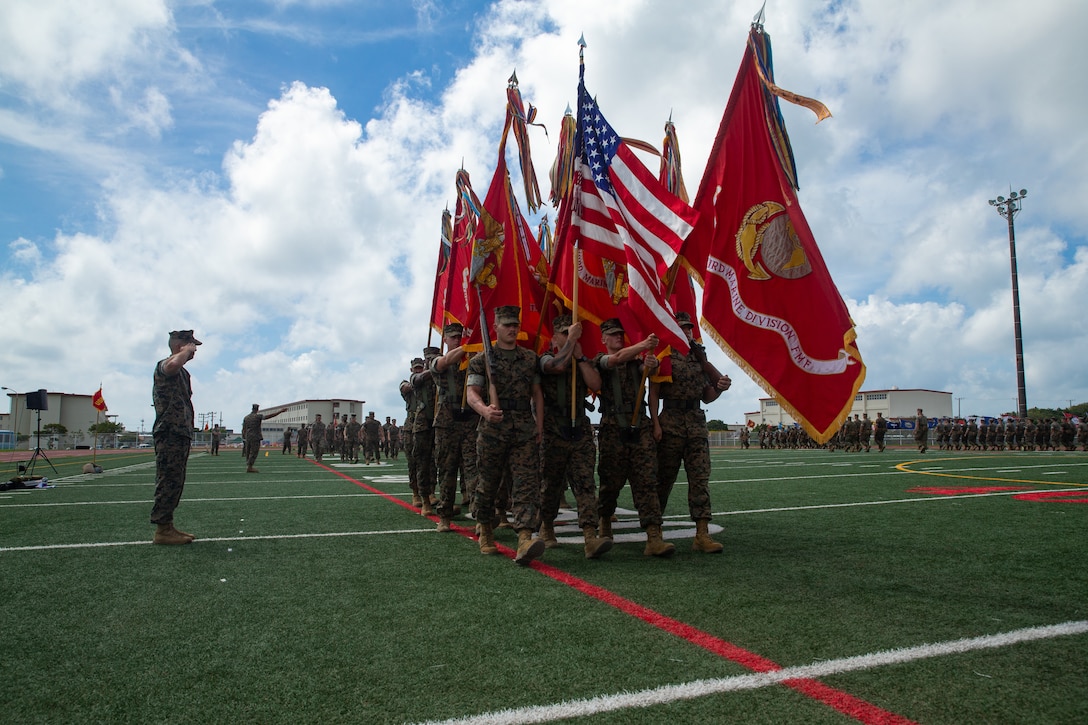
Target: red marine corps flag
{"type": "Point", "coordinates": [768, 299]}
{"type": "Point", "coordinates": [99, 402]}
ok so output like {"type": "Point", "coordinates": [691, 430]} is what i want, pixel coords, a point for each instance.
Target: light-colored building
{"type": "Point", "coordinates": [892, 403]}
{"type": "Point", "coordinates": [303, 411]}
{"type": "Point", "coordinates": [74, 412]}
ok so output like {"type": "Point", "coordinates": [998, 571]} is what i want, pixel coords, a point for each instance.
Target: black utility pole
{"type": "Point", "coordinates": [1008, 208]}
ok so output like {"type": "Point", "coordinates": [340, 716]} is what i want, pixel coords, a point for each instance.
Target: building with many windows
{"type": "Point", "coordinates": [303, 411]}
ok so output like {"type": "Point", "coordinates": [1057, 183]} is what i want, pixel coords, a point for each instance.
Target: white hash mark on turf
{"type": "Point", "coordinates": [701, 688]}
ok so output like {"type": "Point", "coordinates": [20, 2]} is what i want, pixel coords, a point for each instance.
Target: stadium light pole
{"type": "Point", "coordinates": [1008, 208]}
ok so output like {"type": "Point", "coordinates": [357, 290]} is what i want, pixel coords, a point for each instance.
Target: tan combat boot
{"type": "Point", "coordinates": [605, 527]}
{"type": "Point", "coordinates": [655, 545]}
{"type": "Point", "coordinates": [504, 520]}
{"type": "Point", "coordinates": [703, 542]}
{"type": "Point", "coordinates": [167, 534]}
{"type": "Point", "coordinates": [595, 546]}
{"type": "Point", "coordinates": [186, 534]}
{"type": "Point", "coordinates": [251, 469]}
{"type": "Point", "coordinates": [487, 539]}
{"type": "Point", "coordinates": [443, 525]}
{"type": "Point", "coordinates": [416, 500]}
{"type": "Point", "coordinates": [528, 548]}
{"type": "Point", "coordinates": [547, 535]}
{"type": "Point", "coordinates": [426, 509]}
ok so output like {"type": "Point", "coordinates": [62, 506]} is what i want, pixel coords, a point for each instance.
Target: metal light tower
{"type": "Point", "coordinates": [1008, 208]}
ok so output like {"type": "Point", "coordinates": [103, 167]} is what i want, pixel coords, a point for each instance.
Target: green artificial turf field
{"type": "Point", "coordinates": [945, 588]}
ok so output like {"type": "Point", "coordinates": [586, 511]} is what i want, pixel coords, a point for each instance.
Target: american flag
{"type": "Point", "coordinates": [625, 214]}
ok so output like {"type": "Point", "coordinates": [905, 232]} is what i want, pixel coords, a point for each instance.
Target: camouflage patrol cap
{"type": "Point", "coordinates": [561, 323]}
{"type": "Point", "coordinates": [417, 362]}
{"type": "Point", "coordinates": [184, 336]}
{"type": "Point", "coordinates": [453, 328]}
{"type": "Point", "coordinates": [507, 315]}
{"type": "Point", "coordinates": [611, 326]}
{"type": "Point", "coordinates": [431, 352]}
{"type": "Point", "coordinates": [684, 319]}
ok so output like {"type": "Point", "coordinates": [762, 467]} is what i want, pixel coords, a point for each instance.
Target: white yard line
{"type": "Point", "coordinates": [144, 502]}
{"type": "Point", "coordinates": [701, 688]}
{"type": "Point", "coordinates": [269, 537]}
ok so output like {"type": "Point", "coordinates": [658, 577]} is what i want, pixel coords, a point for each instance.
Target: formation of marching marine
{"type": "Point", "coordinates": [346, 437]}
{"type": "Point", "coordinates": [504, 433]}
{"type": "Point", "coordinates": [1011, 434]}
{"type": "Point", "coordinates": [507, 434]}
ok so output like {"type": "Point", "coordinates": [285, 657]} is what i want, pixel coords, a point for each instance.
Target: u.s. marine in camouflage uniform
{"type": "Point", "coordinates": [302, 440]}
{"type": "Point", "coordinates": [423, 432]}
{"type": "Point", "coordinates": [454, 426]}
{"type": "Point", "coordinates": [625, 440]}
{"type": "Point", "coordinates": [372, 438]}
{"type": "Point", "coordinates": [392, 437]}
{"type": "Point", "coordinates": [509, 433]}
{"type": "Point", "coordinates": [568, 454]}
{"type": "Point", "coordinates": [408, 393]}
{"type": "Point", "coordinates": [172, 393]}
{"type": "Point", "coordinates": [681, 433]}
{"type": "Point", "coordinates": [921, 431]}
{"type": "Point", "coordinates": [351, 438]}
{"type": "Point", "coordinates": [317, 437]}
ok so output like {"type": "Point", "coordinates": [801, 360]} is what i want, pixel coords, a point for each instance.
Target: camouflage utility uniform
{"type": "Point", "coordinates": [568, 454]}
{"type": "Point", "coordinates": [684, 436]}
{"type": "Point", "coordinates": [317, 438]}
{"type": "Point", "coordinates": [454, 436]}
{"type": "Point", "coordinates": [625, 452]}
{"type": "Point", "coordinates": [511, 442]}
{"type": "Point", "coordinates": [173, 434]}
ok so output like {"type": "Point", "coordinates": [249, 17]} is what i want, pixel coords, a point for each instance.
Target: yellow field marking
{"type": "Point", "coordinates": [904, 468]}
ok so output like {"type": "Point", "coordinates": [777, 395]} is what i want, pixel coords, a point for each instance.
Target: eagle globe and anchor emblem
{"type": "Point", "coordinates": [767, 244]}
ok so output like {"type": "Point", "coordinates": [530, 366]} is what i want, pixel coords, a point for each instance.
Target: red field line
{"type": "Point", "coordinates": [845, 703]}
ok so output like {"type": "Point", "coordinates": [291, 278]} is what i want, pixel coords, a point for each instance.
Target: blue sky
{"type": "Point", "coordinates": [273, 175]}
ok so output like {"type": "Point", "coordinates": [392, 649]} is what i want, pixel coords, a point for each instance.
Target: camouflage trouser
{"type": "Point", "coordinates": [497, 452]}
{"type": "Point", "coordinates": [563, 461]}
{"type": "Point", "coordinates": [373, 449]}
{"type": "Point", "coordinates": [353, 450]}
{"type": "Point", "coordinates": [423, 461]}
{"type": "Point", "coordinates": [171, 458]}
{"type": "Point", "coordinates": [694, 453]}
{"type": "Point", "coordinates": [253, 447]}
{"type": "Point", "coordinates": [620, 462]}
{"type": "Point", "coordinates": [319, 449]}
{"type": "Point", "coordinates": [454, 449]}
{"type": "Point", "coordinates": [411, 461]}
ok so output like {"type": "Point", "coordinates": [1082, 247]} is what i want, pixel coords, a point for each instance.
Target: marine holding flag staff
{"type": "Point", "coordinates": [681, 433]}
{"type": "Point", "coordinates": [625, 440]}
{"type": "Point", "coordinates": [509, 434]}
{"type": "Point", "coordinates": [567, 453]}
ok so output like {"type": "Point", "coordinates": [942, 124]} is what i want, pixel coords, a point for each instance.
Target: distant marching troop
{"type": "Point", "coordinates": [1001, 434]}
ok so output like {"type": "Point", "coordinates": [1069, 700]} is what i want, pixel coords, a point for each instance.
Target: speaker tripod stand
{"type": "Point", "coordinates": [27, 469]}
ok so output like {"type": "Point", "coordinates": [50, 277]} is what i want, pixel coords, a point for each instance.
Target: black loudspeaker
{"type": "Point", "coordinates": [38, 400]}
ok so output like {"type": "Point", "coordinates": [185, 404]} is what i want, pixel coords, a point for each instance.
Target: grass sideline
{"type": "Point", "coordinates": [312, 597]}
